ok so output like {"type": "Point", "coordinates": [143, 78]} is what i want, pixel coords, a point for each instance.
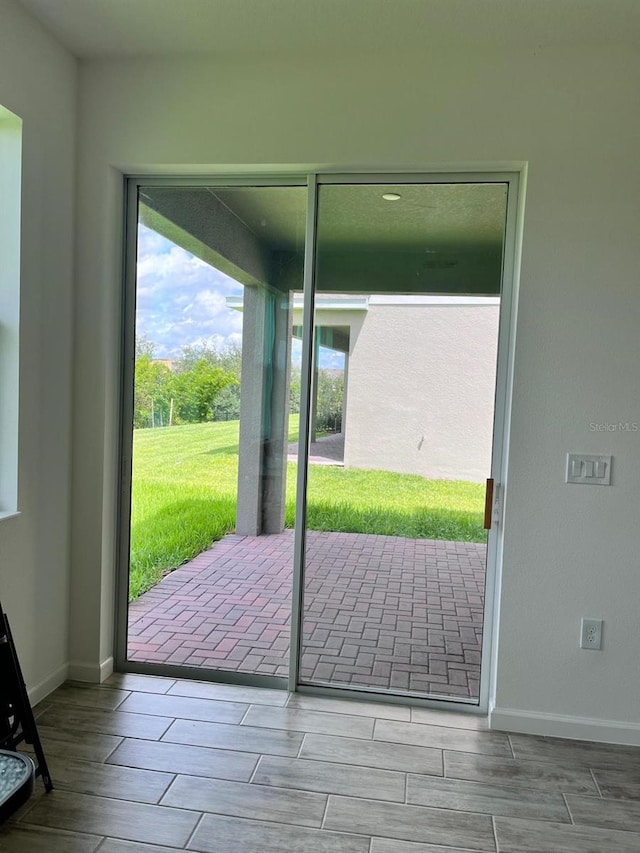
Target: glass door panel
{"type": "Point", "coordinates": [407, 303]}
{"type": "Point", "coordinates": [215, 425]}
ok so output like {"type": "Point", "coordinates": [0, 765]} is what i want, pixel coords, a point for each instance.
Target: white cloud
{"type": "Point", "coordinates": [150, 242]}
{"type": "Point", "coordinates": [181, 299]}
{"type": "Point", "coordinates": [210, 302]}
{"type": "Point", "coordinates": [327, 358]}
{"type": "Point", "coordinates": [331, 358]}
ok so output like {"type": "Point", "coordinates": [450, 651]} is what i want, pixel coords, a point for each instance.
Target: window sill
{"type": "Point", "coordinates": [11, 514]}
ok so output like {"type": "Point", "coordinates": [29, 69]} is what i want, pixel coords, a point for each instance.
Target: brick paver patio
{"type": "Point", "coordinates": [380, 611]}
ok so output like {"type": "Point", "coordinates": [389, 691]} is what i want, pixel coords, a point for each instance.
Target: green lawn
{"type": "Point", "coordinates": [184, 491]}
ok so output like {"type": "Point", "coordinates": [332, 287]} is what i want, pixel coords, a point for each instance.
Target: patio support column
{"type": "Point", "coordinates": [277, 444]}
{"type": "Point", "coordinates": [252, 407]}
{"type": "Point", "coordinates": [313, 431]}
{"type": "Point", "coordinates": [264, 411]}
{"type": "Point", "coordinates": [345, 397]}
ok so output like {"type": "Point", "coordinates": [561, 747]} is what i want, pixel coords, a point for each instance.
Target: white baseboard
{"type": "Point", "coordinates": [106, 669]}
{"type": "Point", "coordinates": [91, 672]}
{"type": "Point", "coordinates": [39, 691]}
{"type": "Point", "coordinates": [559, 725]}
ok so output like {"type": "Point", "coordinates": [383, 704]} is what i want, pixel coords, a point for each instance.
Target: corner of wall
{"type": "Point", "coordinates": [43, 688]}
{"type": "Point", "coordinates": [90, 672]}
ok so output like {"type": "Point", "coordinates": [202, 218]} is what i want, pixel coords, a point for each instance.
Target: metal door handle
{"type": "Point", "coordinates": [488, 504]}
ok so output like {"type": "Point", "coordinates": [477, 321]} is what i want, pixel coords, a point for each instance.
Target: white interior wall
{"type": "Point", "coordinates": [573, 116]}
{"type": "Point", "coordinates": [38, 84]}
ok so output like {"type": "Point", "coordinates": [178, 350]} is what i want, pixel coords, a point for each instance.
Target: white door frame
{"type": "Point", "coordinates": [515, 178]}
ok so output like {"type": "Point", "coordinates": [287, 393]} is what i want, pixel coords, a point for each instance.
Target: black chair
{"type": "Point", "coordinates": [17, 726]}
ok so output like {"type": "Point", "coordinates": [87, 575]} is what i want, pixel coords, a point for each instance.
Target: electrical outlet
{"type": "Point", "coordinates": [591, 634]}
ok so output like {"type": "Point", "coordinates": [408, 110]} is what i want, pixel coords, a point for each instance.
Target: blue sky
{"type": "Point", "coordinates": [181, 301]}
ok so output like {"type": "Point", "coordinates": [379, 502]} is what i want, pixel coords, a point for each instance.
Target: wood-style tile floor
{"type": "Point", "coordinates": [153, 765]}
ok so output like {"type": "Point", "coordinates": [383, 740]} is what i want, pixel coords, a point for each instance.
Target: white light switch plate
{"type": "Point", "coordinates": [588, 470]}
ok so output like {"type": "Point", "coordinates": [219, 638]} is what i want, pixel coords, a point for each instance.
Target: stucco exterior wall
{"type": "Point", "coordinates": [421, 388]}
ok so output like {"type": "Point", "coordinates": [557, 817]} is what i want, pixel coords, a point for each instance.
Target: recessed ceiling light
{"type": "Point", "coordinates": [391, 196]}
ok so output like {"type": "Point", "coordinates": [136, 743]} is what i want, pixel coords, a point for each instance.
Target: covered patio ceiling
{"type": "Point", "coordinates": [432, 238]}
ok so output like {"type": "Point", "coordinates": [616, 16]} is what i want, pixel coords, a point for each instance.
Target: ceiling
{"type": "Point", "coordinates": [249, 28]}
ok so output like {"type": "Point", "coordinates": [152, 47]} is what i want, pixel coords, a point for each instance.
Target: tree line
{"type": "Point", "coordinates": [203, 384]}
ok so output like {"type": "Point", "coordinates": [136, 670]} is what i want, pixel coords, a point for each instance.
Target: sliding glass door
{"type": "Point", "coordinates": [213, 428]}
{"type": "Point", "coordinates": [407, 303]}
{"type": "Point", "coordinates": [347, 324]}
